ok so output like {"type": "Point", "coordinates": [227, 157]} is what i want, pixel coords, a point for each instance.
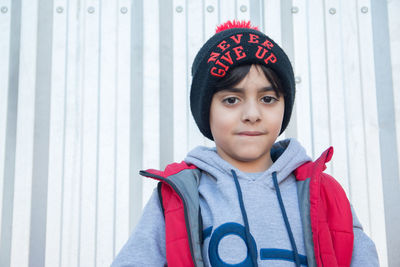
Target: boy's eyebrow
{"type": "Point", "coordinates": [241, 90]}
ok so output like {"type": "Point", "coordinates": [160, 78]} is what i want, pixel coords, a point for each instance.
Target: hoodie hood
{"type": "Point", "coordinates": [286, 155]}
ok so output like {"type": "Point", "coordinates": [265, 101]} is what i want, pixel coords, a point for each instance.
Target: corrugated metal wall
{"type": "Point", "coordinates": [92, 91]}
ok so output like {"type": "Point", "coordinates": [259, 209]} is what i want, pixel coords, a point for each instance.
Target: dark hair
{"type": "Point", "coordinates": [235, 75]}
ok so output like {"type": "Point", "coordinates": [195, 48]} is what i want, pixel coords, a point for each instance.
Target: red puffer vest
{"type": "Point", "coordinates": [328, 230]}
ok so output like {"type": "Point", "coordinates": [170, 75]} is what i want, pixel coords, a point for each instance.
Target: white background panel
{"type": "Point", "coordinates": [107, 134]}
{"type": "Point", "coordinates": [121, 213]}
{"type": "Point", "coordinates": [227, 10]}
{"type": "Point", "coordinates": [211, 20]}
{"type": "Point", "coordinates": [90, 60]}
{"type": "Point", "coordinates": [318, 79]}
{"type": "Point", "coordinates": [301, 72]}
{"type": "Point", "coordinates": [70, 228]}
{"type": "Point", "coordinates": [24, 147]}
{"type": "Point", "coordinates": [354, 113]}
{"type": "Point", "coordinates": [335, 86]}
{"type": "Point", "coordinates": [179, 81]}
{"type": "Point", "coordinates": [5, 29]}
{"type": "Point", "coordinates": [151, 85]}
{"type": "Point", "coordinates": [195, 41]}
{"type": "Point", "coordinates": [136, 114]}
{"type": "Point", "coordinates": [394, 29]}
{"type": "Point", "coordinates": [242, 9]}
{"type": "Point", "coordinates": [56, 134]}
{"type": "Point", "coordinates": [272, 20]}
{"type": "Point", "coordinates": [373, 159]}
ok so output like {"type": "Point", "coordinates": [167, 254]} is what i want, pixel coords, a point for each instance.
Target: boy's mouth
{"type": "Point", "coordinates": [251, 133]}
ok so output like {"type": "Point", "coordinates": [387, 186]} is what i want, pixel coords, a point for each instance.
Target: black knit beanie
{"type": "Point", "coordinates": [236, 43]}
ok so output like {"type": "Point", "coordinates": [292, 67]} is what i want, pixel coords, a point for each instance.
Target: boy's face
{"type": "Point", "coordinates": [246, 120]}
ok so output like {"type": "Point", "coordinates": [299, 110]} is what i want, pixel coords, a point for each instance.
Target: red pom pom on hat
{"type": "Point", "coordinates": [235, 24]}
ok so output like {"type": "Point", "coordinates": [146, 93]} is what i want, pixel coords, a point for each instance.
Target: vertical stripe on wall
{"type": "Point", "coordinates": [166, 81]}
{"type": "Point", "coordinates": [41, 136]}
{"type": "Point", "coordinates": [151, 98]}
{"type": "Point", "coordinates": [375, 225]}
{"type": "Point", "coordinates": [302, 108]}
{"type": "Point", "coordinates": [81, 56]}
{"type": "Point", "coordinates": [25, 135]}
{"type": "Point", "coordinates": [136, 111]}
{"type": "Point", "coordinates": [393, 8]}
{"type": "Point", "coordinates": [55, 192]}
{"type": "Point", "coordinates": [107, 149]}
{"type": "Point", "coordinates": [336, 90]}
{"type": "Point", "coordinates": [282, 27]}
{"type": "Point", "coordinates": [179, 64]}
{"type": "Point", "coordinates": [123, 117]}
{"type": "Point", "coordinates": [10, 133]}
{"type": "Point", "coordinates": [256, 12]}
{"type": "Point", "coordinates": [387, 134]}
{"type": "Point", "coordinates": [198, 26]}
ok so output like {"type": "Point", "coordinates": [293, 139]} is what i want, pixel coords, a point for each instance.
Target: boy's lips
{"type": "Point", "coordinates": [250, 133]}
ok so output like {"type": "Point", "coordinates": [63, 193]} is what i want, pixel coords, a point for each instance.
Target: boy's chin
{"type": "Point", "coordinates": [249, 155]}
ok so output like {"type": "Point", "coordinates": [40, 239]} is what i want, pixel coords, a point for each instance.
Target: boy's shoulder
{"type": "Point", "coordinates": [170, 170]}
{"type": "Point", "coordinates": [314, 168]}
{"type": "Point", "coordinates": [323, 188]}
{"type": "Point", "coordinates": [176, 175]}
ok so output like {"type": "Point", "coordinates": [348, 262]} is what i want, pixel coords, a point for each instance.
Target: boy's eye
{"type": "Point", "coordinates": [231, 100]}
{"type": "Point", "coordinates": [268, 99]}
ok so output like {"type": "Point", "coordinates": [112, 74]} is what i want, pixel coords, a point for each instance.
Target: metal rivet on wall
{"type": "Point", "coordinates": [243, 8]}
{"type": "Point", "coordinates": [4, 9]}
{"type": "Point", "coordinates": [295, 9]}
{"type": "Point", "coordinates": [179, 9]}
{"type": "Point", "coordinates": [364, 9]}
{"type": "Point", "coordinates": [60, 9]}
{"type": "Point", "coordinates": [332, 11]}
{"type": "Point", "coordinates": [124, 10]}
{"type": "Point", "coordinates": [297, 79]}
{"type": "Point", "coordinates": [210, 9]}
{"type": "Point", "coordinates": [90, 10]}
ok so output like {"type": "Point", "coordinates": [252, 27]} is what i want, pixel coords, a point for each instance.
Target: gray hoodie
{"type": "Point", "coordinates": [224, 228]}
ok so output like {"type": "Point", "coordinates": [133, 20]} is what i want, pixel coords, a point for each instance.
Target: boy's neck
{"type": "Point", "coordinates": [259, 165]}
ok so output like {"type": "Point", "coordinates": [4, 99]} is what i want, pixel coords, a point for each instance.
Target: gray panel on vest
{"type": "Point", "coordinates": [187, 182]}
{"type": "Point", "coordinates": [303, 192]}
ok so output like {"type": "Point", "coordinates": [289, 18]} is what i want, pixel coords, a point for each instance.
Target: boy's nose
{"type": "Point", "coordinates": [251, 112]}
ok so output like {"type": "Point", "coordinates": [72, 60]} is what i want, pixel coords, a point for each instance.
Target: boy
{"type": "Point", "coordinates": [249, 201]}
